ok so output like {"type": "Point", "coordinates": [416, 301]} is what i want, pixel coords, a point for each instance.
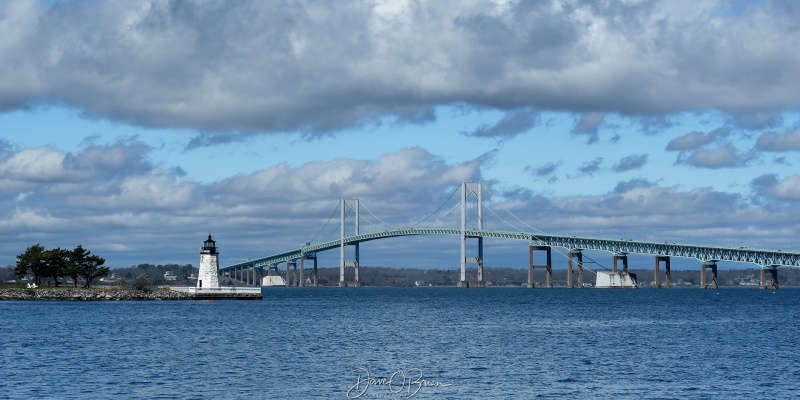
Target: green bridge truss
{"type": "Point", "coordinates": [763, 258]}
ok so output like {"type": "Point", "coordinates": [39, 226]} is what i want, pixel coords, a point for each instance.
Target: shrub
{"type": "Point", "coordinates": [141, 284]}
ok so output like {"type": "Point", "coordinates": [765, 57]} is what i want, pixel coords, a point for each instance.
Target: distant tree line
{"type": "Point", "coordinates": [154, 274]}
{"type": "Point", "coordinates": [59, 263]}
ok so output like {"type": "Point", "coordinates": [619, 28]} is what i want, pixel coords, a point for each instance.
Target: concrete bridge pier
{"type": "Point", "coordinates": [354, 264]}
{"type": "Point", "coordinates": [579, 255]}
{"type": "Point", "coordinates": [667, 278]}
{"type": "Point", "coordinates": [291, 275]}
{"type": "Point", "coordinates": [773, 270]}
{"type": "Point", "coordinates": [548, 267]}
{"type": "Point", "coordinates": [480, 282]}
{"type": "Point", "coordinates": [302, 281]}
{"type": "Point", "coordinates": [620, 257]}
{"type": "Point", "coordinates": [356, 280]}
{"type": "Point", "coordinates": [249, 275]}
{"type": "Point", "coordinates": [302, 262]}
{"type": "Point", "coordinates": [703, 282]}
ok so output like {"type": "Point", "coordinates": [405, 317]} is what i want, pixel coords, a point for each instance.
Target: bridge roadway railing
{"type": "Point", "coordinates": [762, 258]}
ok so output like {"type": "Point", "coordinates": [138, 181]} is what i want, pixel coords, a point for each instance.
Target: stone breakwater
{"type": "Point", "coordinates": [91, 294]}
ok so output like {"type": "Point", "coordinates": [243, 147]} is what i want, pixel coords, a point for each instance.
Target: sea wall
{"type": "Point", "coordinates": [91, 294]}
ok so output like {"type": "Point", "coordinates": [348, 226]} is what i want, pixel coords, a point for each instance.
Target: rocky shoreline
{"type": "Point", "coordinates": [80, 294]}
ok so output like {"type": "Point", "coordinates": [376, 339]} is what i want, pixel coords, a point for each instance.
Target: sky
{"type": "Point", "coordinates": [136, 129]}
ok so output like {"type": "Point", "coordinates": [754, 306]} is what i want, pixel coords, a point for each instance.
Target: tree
{"type": "Point", "coordinates": [93, 268]}
{"type": "Point", "coordinates": [32, 259]}
{"type": "Point", "coordinates": [77, 263]}
{"type": "Point", "coordinates": [56, 263]}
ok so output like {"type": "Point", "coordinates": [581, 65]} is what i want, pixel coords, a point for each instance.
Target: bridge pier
{"type": "Point", "coordinates": [356, 280]}
{"type": "Point", "coordinates": [620, 257]}
{"type": "Point", "coordinates": [579, 255]}
{"type": "Point", "coordinates": [302, 262]}
{"type": "Point", "coordinates": [773, 270]}
{"type": "Point", "coordinates": [479, 260]}
{"type": "Point", "coordinates": [667, 278]}
{"type": "Point", "coordinates": [703, 282]}
{"type": "Point", "coordinates": [548, 267]}
{"type": "Point", "coordinates": [291, 279]}
{"type": "Point", "coordinates": [301, 282]}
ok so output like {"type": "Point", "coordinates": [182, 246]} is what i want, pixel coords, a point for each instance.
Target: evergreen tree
{"type": "Point", "coordinates": [93, 268]}
{"type": "Point", "coordinates": [32, 260]}
{"type": "Point", "coordinates": [77, 263]}
{"type": "Point", "coordinates": [56, 263]}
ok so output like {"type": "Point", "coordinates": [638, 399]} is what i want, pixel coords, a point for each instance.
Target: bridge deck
{"type": "Point", "coordinates": [763, 258]}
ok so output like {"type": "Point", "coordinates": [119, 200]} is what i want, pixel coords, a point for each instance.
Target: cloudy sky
{"type": "Point", "coordinates": [136, 128]}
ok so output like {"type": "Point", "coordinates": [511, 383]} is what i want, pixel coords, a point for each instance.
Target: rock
{"type": "Point", "coordinates": [90, 294]}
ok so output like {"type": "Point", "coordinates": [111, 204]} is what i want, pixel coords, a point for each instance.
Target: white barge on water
{"type": "Point", "coordinates": [614, 279]}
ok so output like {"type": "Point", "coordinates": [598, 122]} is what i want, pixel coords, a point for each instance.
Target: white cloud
{"type": "Point", "coordinates": [317, 67]}
{"type": "Point", "coordinates": [788, 189]}
{"type": "Point", "coordinates": [37, 164]}
{"type": "Point", "coordinates": [695, 140]}
{"type": "Point", "coordinates": [726, 156]}
{"type": "Point", "coordinates": [773, 141]}
{"type": "Point", "coordinates": [136, 207]}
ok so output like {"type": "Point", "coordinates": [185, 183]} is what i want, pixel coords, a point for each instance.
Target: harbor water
{"type": "Point", "coordinates": [427, 342]}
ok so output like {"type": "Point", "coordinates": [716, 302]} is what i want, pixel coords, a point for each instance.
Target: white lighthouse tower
{"type": "Point", "coordinates": [209, 265]}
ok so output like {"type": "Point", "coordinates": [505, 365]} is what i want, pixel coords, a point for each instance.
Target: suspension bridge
{"type": "Point", "coordinates": [470, 227]}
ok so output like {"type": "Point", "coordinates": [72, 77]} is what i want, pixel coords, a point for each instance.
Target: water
{"type": "Point", "coordinates": [473, 343]}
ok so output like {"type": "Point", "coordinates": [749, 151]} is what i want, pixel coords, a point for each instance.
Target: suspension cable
{"type": "Point", "coordinates": [326, 223]}
{"type": "Point", "coordinates": [437, 210]}
{"type": "Point", "coordinates": [378, 218]}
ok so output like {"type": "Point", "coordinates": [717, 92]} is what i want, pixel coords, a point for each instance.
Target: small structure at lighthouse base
{"type": "Point", "coordinates": [208, 279]}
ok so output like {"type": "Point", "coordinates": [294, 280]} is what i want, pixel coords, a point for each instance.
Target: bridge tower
{"type": "Point", "coordinates": [208, 276]}
{"type": "Point", "coordinates": [348, 204]}
{"type": "Point", "coordinates": [468, 191]}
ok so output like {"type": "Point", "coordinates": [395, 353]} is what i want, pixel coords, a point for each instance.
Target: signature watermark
{"type": "Point", "coordinates": [403, 383]}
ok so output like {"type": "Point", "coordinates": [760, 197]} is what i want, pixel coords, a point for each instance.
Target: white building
{"type": "Point", "coordinates": [208, 277]}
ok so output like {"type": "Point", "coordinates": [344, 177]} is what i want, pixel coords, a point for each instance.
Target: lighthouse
{"type": "Point", "coordinates": [209, 265]}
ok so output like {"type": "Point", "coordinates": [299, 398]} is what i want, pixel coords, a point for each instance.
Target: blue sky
{"type": "Point", "coordinates": [135, 128]}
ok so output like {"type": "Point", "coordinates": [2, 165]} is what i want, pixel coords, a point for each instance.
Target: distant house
{"type": "Point", "coordinates": [169, 276]}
